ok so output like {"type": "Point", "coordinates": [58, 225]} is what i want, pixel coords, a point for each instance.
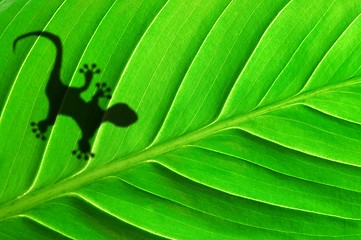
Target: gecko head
{"type": "Point", "coordinates": [120, 115]}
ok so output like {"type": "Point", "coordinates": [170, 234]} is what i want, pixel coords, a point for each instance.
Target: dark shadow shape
{"type": "Point", "coordinates": [66, 100]}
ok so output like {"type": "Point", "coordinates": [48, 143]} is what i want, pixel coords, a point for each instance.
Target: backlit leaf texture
{"type": "Point", "coordinates": [249, 120]}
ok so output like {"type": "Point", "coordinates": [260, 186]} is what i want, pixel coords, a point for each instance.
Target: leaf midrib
{"type": "Point", "coordinates": [69, 185]}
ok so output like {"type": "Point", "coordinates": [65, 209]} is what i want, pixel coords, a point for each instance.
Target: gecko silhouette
{"type": "Point", "coordinates": [66, 100]}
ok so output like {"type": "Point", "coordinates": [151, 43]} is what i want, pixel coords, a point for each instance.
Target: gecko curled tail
{"type": "Point", "coordinates": [52, 37]}
{"type": "Point", "coordinates": [55, 73]}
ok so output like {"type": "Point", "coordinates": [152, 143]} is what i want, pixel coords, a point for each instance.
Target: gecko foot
{"type": "Point", "coordinates": [37, 130]}
{"type": "Point", "coordinates": [82, 155]}
{"type": "Point", "coordinates": [103, 90]}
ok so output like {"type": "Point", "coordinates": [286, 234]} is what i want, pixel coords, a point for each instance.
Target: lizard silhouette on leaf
{"type": "Point", "coordinates": [66, 100]}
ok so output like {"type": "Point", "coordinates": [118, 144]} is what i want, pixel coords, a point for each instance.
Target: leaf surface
{"type": "Point", "coordinates": [248, 120]}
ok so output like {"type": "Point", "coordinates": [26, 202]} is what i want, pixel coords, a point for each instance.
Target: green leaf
{"type": "Point", "coordinates": [249, 120]}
